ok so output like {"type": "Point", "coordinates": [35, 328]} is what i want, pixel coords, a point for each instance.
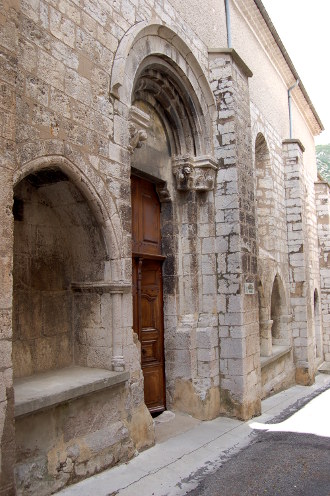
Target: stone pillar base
{"type": "Point", "coordinates": [305, 376]}
{"type": "Point", "coordinates": [187, 400]}
{"type": "Point", "coordinates": [141, 428]}
{"type": "Point", "coordinates": [243, 411]}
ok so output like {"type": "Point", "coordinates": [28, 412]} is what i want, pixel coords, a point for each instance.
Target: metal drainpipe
{"type": "Point", "coordinates": [228, 25]}
{"type": "Point", "coordinates": [289, 102]}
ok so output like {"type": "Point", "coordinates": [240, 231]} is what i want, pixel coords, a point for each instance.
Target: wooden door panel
{"type": "Point", "coordinates": [150, 349]}
{"type": "Point", "coordinates": [146, 236]}
{"type": "Point", "coordinates": [148, 311]}
{"type": "Point", "coordinates": [151, 310]}
{"type": "Point", "coordinates": [135, 215]}
{"type": "Point", "coordinates": [150, 231]}
{"type": "Point", "coordinates": [154, 388]}
{"type": "Point", "coordinates": [135, 296]}
{"type": "Point", "coordinates": [147, 290]}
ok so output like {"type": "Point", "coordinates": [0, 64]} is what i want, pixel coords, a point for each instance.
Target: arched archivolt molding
{"type": "Point", "coordinates": [156, 39]}
{"type": "Point", "coordinates": [161, 86]}
{"type": "Point", "coordinates": [148, 50]}
{"type": "Point", "coordinates": [105, 212]}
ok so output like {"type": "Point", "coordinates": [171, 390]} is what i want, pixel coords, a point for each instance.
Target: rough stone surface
{"type": "Point", "coordinates": [323, 218]}
{"type": "Point", "coordinates": [89, 90]}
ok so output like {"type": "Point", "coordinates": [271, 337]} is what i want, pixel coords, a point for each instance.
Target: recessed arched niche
{"type": "Point", "coordinates": [265, 196]}
{"type": "Point", "coordinates": [57, 241]}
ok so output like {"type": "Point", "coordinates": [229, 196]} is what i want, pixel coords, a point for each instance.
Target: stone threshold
{"type": "Point", "coordinates": [278, 352]}
{"type": "Point", "coordinates": [51, 388]}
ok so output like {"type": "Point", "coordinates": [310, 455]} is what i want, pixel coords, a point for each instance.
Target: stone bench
{"type": "Point", "coordinates": [277, 352]}
{"type": "Point", "coordinates": [51, 388]}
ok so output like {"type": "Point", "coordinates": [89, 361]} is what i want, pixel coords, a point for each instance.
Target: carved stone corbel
{"type": "Point", "coordinates": [163, 193]}
{"type": "Point", "coordinates": [194, 173]}
{"type": "Point", "coordinates": [139, 123]}
{"type": "Point", "coordinates": [183, 171]}
{"type": "Point", "coordinates": [136, 137]}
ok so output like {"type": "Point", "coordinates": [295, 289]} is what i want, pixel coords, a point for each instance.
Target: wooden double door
{"type": "Point", "coordinates": [148, 320]}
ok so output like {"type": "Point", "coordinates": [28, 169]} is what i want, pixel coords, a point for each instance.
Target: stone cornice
{"type": "Point", "coordinates": [294, 142]}
{"type": "Point", "coordinates": [321, 180]}
{"type": "Point", "coordinates": [101, 287]}
{"type": "Point", "coordinates": [236, 58]}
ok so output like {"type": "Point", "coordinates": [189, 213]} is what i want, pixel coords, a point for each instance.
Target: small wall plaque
{"type": "Point", "coordinates": [249, 288]}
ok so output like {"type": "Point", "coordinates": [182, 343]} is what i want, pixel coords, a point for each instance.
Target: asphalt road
{"type": "Point", "coordinates": [290, 458]}
{"type": "Point", "coordinates": [275, 464]}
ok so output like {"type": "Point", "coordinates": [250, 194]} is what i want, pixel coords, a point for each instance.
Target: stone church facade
{"type": "Point", "coordinates": [164, 239]}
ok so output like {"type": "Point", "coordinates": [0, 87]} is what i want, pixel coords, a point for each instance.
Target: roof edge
{"type": "Point", "coordinates": [287, 58]}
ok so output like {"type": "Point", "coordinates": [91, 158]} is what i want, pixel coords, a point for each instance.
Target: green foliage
{"type": "Point", "coordinates": [323, 161]}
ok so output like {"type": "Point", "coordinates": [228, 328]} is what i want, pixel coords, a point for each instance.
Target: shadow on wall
{"type": "Point", "coordinates": [56, 241]}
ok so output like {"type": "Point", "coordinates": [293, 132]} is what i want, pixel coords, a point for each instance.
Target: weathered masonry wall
{"type": "Point", "coordinates": [301, 283]}
{"type": "Point", "coordinates": [323, 223]}
{"type": "Point", "coordinates": [8, 78]}
{"type": "Point", "coordinates": [58, 113]}
{"type": "Point", "coordinates": [235, 242]}
{"type": "Point", "coordinates": [63, 55]}
{"type": "Point", "coordinates": [273, 267]}
{"type": "Point", "coordinates": [80, 83]}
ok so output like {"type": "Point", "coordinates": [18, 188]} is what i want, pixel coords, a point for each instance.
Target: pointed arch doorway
{"type": "Point", "coordinates": [148, 320]}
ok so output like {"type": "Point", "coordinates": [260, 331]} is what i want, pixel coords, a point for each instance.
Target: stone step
{"type": "Point", "coordinates": [324, 368]}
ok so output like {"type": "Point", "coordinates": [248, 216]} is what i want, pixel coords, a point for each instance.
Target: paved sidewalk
{"type": "Point", "coordinates": [175, 465]}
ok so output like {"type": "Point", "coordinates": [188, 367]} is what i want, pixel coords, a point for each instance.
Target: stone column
{"type": "Point", "coordinates": [8, 74]}
{"type": "Point", "coordinates": [118, 363]}
{"type": "Point", "coordinates": [266, 337]}
{"type": "Point", "coordinates": [322, 193]}
{"type": "Point", "coordinates": [235, 241]}
{"type": "Point", "coordinates": [298, 261]}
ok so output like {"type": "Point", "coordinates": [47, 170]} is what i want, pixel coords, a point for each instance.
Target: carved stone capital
{"type": "Point", "coordinates": [205, 173]}
{"type": "Point", "coordinates": [118, 363]}
{"type": "Point", "coordinates": [138, 125]}
{"type": "Point", "coordinates": [194, 173]}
